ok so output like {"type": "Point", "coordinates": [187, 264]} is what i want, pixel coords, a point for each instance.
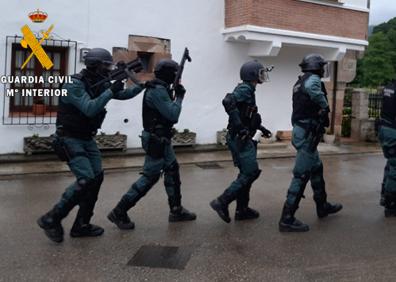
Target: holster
{"type": "Point", "coordinates": [60, 149]}
{"type": "Point", "coordinates": [156, 146]}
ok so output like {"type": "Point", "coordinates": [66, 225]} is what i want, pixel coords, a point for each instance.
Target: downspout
{"type": "Point", "coordinates": [335, 84]}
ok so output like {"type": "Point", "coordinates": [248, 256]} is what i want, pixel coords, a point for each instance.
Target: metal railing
{"type": "Point", "coordinates": [375, 103]}
{"type": "Point", "coordinates": [25, 113]}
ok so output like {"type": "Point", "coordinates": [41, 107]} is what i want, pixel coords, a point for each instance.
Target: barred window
{"type": "Point", "coordinates": [58, 55]}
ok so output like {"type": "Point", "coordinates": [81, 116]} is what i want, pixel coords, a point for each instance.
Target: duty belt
{"type": "Point", "coordinates": [61, 132]}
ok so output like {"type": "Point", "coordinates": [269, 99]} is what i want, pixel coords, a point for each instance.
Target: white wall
{"type": "Point", "coordinates": [196, 24]}
{"type": "Point", "coordinates": [357, 3]}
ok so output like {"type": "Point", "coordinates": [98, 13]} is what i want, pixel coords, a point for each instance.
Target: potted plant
{"type": "Point", "coordinates": [39, 107]}
{"type": "Point", "coordinates": [184, 138]}
{"type": "Point", "coordinates": [36, 144]}
{"type": "Point", "coordinates": [115, 141]}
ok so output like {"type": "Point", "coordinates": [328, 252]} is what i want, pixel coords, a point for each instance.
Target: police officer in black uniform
{"type": "Point", "coordinates": [387, 137]}
{"type": "Point", "coordinates": [309, 119]}
{"type": "Point", "coordinates": [80, 115]}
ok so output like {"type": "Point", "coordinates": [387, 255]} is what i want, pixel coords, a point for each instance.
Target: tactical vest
{"type": "Point", "coordinates": [247, 113]}
{"type": "Point", "coordinates": [72, 122]}
{"type": "Point", "coordinates": [303, 106]}
{"type": "Point", "coordinates": [388, 113]}
{"type": "Point", "coordinates": [153, 121]}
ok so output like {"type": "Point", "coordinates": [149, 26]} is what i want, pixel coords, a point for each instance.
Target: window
{"type": "Point", "coordinates": [146, 58]}
{"type": "Point", "coordinates": [58, 55]}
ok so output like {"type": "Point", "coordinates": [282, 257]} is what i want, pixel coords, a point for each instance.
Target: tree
{"type": "Point", "coordinates": [378, 66]}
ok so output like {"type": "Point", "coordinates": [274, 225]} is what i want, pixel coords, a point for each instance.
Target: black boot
{"type": "Point", "coordinates": [246, 213]}
{"type": "Point", "coordinates": [221, 208]}
{"type": "Point", "coordinates": [390, 204]}
{"type": "Point", "coordinates": [243, 212]}
{"type": "Point", "coordinates": [288, 223]}
{"type": "Point", "coordinates": [119, 215]}
{"type": "Point", "coordinates": [324, 209]}
{"type": "Point", "coordinates": [181, 214]}
{"type": "Point", "coordinates": [51, 223]}
{"type": "Point", "coordinates": [382, 197]}
{"type": "Point", "coordinates": [82, 228]}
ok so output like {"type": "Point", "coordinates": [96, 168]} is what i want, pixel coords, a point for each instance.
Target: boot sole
{"type": "Point", "coordinates": [290, 229]}
{"type": "Point", "coordinates": [42, 226]}
{"type": "Point", "coordinates": [112, 220]}
{"type": "Point", "coordinates": [79, 235]}
{"type": "Point", "coordinates": [220, 214]}
{"type": "Point", "coordinates": [327, 214]}
{"type": "Point", "coordinates": [248, 218]}
{"type": "Point", "coordinates": [172, 219]}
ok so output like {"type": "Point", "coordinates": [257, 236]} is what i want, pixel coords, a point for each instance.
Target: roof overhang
{"type": "Point", "coordinates": [264, 42]}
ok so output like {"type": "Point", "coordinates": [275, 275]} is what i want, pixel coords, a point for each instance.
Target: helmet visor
{"type": "Point", "coordinates": [263, 75]}
{"type": "Point", "coordinates": [326, 71]}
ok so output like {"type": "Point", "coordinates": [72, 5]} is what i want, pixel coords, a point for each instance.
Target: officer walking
{"type": "Point", "coordinates": [80, 115]}
{"type": "Point", "coordinates": [310, 117]}
{"type": "Point", "coordinates": [244, 121]}
{"type": "Point", "coordinates": [160, 112]}
{"type": "Point", "coordinates": [387, 137]}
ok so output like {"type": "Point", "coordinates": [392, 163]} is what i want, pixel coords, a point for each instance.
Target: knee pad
{"type": "Point", "coordinates": [84, 183]}
{"type": "Point", "coordinates": [304, 177]}
{"type": "Point", "coordinates": [172, 174]}
{"type": "Point", "coordinates": [256, 174]}
{"type": "Point", "coordinates": [390, 152]}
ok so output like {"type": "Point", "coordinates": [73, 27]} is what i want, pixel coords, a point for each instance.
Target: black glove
{"type": "Point", "coordinates": [265, 132]}
{"type": "Point", "coordinates": [243, 133]}
{"type": "Point", "coordinates": [180, 91]}
{"type": "Point", "coordinates": [256, 121]}
{"type": "Point", "coordinates": [117, 86]}
{"type": "Point", "coordinates": [324, 117]}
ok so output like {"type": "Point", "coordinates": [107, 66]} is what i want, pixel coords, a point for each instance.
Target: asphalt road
{"type": "Point", "coordinates": [358, 244]}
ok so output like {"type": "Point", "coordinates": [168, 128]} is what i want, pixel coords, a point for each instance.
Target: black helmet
{"type": "Point", "coordinates": [253, 71]}
{"type": "Point", "coordinates": [97, 56]}
{"type": "Point", "coordinates": [313, 63]}
{"type": "Point", "coordinates": [166, 70]}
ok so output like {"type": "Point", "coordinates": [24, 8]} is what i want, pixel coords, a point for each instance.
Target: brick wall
{"type": "Point", "coordinates": [297, 16]}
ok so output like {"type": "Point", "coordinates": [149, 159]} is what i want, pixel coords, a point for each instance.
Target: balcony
{"type": "Point", "coordinates": [268, 25]}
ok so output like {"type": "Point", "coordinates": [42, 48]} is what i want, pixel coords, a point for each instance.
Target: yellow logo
{"type": "Point", "coordinates": [30, 40]}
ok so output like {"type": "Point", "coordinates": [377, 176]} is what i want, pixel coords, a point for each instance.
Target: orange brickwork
{"type": "Point", "coordinates": [297, 16]}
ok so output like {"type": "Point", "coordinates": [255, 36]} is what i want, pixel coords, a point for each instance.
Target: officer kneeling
{"type": "Point", "coordinates": [244, 120]}
{"type": "Point", "coordinates": [309, 119]}
{"type": "Point", "coordinates": [160, 112]}
{"type": "Point", "coordinates": [80, 115]}
{"type": "Point", "coordinates": [387, 138]}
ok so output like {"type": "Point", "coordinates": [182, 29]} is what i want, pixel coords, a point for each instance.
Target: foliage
{"type": "Point", "coordinates": [378, 66]}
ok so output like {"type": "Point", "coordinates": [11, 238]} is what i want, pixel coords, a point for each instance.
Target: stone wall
{"type": "Point", "coordinates": [363, 127]}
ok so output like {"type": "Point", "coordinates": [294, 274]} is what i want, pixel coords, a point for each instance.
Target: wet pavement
{"type": "Point", "coordinates": [356, 245]}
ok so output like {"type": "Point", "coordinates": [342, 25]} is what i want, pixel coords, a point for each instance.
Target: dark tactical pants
{"type": "Point", "coordinates": [387, 138]}
{"type": "Point", "coordinates": [308, 166]}
{"type": "Point", "coordinates": [244, 156]}
{"type": "Point", "coordinates": [86, 164]}
{"type": "Point", "coordinates": [151, 173]}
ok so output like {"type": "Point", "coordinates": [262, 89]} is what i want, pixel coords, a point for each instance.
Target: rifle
{"type": "Point", "coordinates": [186, 56]}
{"type": "Point", "coordinates": [123, 71]}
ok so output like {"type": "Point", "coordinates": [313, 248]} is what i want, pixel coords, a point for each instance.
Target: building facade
{"type": "Point", "coordinates": [221, 36]}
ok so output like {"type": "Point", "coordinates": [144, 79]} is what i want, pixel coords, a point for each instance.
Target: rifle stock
{"type": "Point", "coordinates": [186, 57]}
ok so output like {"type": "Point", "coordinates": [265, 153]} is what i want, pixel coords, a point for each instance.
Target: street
{"type": "Point", "coordinates": [358, 244]}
